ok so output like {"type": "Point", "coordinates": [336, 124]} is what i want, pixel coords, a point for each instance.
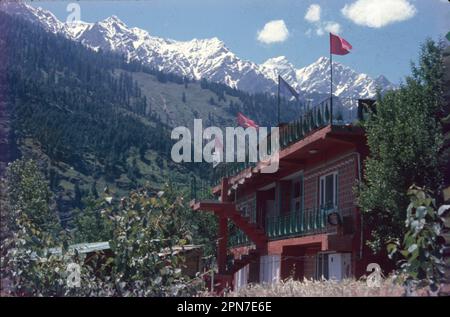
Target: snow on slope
{"type": "Point", "coordinates": [205, 58]}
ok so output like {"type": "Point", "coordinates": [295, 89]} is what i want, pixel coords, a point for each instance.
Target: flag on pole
{"type": "Point", "coordinates": [218, 151]}
{"type": "Point", "coordinates": [338, 45]}
{"type": "Point", "coordinates": [283, 83]}
{"type": "Point", "coordinates": [217, 144]}
{"type": "Point", "coordinates": [245, 122]}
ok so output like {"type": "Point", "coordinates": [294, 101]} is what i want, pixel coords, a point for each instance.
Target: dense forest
{"type": "Point", "coordinates": [93, 120]}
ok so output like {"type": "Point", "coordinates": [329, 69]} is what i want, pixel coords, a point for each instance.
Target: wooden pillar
{"type": "Point", "coordinates": [224, 189]}
{"type": "Point", "coordinates": [223, 230]}
{"type": "Point", "coordinates": [223, 241]}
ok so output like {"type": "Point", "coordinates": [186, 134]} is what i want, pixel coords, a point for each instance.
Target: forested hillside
{"type": "Point", "coordinates": [93, 120]}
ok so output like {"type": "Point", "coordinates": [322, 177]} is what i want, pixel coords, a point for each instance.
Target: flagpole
{"type": "Point", "coordinates": [331, 85]}
{"type": "Point", "coordinates": [278, 100]}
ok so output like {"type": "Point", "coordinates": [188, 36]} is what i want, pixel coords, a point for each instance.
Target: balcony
{"type": "Point", "coordinates": [294, 224]}
{"type": "Point", "coordinates": [347, 111]}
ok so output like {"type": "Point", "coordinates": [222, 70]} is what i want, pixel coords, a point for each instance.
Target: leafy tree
{"type": "Point", "coordinates": [89, 224]}
{"type": "Point", "coordinates": [33, 230]}
{"type": "Point", "coordinates": [146, 228]}
{"type": "Point", "coordinates": [404, 137]}
{"type": "Point", "coordinates": [28, 193]}
{"type": "Point", "coordinates": [143, 230]}
{"type": "Point", "coordinates": [445, 119]}
{"type": "Point", "coordinates": [420, 254]}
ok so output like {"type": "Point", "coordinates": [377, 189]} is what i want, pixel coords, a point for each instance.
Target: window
{"type": "Point", "coordinates": [297, 195]}
{"type": "Point", "coordinates": [269, 271]}
{"type": "Point", "coordinates": [328, 191]}
{"type": "Point", "coordinates": [335, 266]}
{"type": "Point", "coordinates": [321, 266]}
{"type": "Point", "coordinates": [247, 207]}
{"type": "Point", "coordinates": [241, 277]}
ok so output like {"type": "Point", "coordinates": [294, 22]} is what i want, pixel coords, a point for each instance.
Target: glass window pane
{"type": "Point", "coordinates": [297, 189]}
{"type": "Point", "coordinates": [322, 193]}
{"type": "Point", "coordinates": [329, 189]}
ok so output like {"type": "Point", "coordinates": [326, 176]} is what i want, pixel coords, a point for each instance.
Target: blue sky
{"type": "Point", "coordinates": [381, 43]}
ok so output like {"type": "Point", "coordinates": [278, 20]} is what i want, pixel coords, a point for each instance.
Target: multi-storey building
{"type": "Point", "coordinates": [303, 220]}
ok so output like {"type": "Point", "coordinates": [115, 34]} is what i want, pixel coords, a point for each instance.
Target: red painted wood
{"type": "Point", "coordinates": [222, 247]}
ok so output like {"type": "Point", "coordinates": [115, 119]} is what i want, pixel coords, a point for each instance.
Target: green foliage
{"type": "Point", "coordinates": [143, 229]}
{"type": "Point", "coordinates": [146, 228]}
{"type": "Point", "coordinates": [404, 137]}
{"type": "Point", "coordinates": [420, 252]}
{"type": "Point", "coordinates": [29, 196]}
{"type": "Point", "coordinates": [87, 113]}
{"type": "Point", "coordinates": [89, 224]}
{"type": "Point", "coordinates": [33, 230]}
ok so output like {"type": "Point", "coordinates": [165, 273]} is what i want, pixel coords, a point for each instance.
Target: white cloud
{"type": "Point", "coordinates": [378, 13]}
{"type": "Point", "coordinates": [320, 31]}
{"type": "Point", "coordinates": [273, 32]}
{"type": "Point", "coordinates": [313, 13]}
{"type": "Point", "coordinates": [313, 16]}
{"type": "Point", "coordinates": [327, 27]}
{"type": "Point", "coordinates": [332, 27]}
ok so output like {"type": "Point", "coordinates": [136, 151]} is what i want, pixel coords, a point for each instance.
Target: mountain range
{"type": "Point", "coordinates": [206, 58]}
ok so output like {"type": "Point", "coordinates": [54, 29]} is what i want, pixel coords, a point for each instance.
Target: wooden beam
{"type": "Point", "coordinates": [293, 163]}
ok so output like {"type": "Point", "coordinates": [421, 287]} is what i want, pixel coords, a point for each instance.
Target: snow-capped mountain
{"type": "Point", "coordinates": [315, 78]}
{"type": "Point", "coordinates": [280, 66]}
{"type": "Point", "coordinates": [384, 83]}
{"type": "Point", "coordinates": [205, 58]}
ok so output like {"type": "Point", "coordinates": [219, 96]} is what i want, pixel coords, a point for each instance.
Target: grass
{"type": "Point", "coordinates": [323, 288]}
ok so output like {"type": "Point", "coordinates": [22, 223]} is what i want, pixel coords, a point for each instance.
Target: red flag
{"type": "Point", "coordinates": [245, 122]}
{"type": "Point", "coordinates": [217, 144]}
{"type": "Point", "coordinates": [338, 45]}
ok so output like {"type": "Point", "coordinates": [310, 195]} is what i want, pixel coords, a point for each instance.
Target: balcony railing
{"type": "Point", "coordinates": [346, 110]}
{"type": "Point", "coordinates": [297, 223]}
{"type": "Point", "coordinates": [238, 238]}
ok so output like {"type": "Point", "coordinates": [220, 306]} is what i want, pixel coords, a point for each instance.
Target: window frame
{"type": "Point", "coordinates": [322, 190]}
{"type": "Point", "coordinates": [300, 180]}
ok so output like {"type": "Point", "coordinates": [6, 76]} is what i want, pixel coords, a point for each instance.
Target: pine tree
{"type": "Point", "coordinates": [78, 196]}
{"type": "Point", "coordinates": [94, 191]}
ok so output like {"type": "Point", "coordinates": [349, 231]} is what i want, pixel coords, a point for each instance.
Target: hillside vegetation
{"type": "Point", "coordinates": [93, 120]}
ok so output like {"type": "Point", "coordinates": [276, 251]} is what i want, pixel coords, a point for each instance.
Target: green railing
{"type": "Point", "coordinates": [290, 133]}
{"type": "Point", "coordinates": [229, 169]}
{"type": "Point", "coordinates": [238, 238]}
{"type": "Point", "coordinates": [345, 110]}
{"type": "Point", "coordinates": [297, 223]}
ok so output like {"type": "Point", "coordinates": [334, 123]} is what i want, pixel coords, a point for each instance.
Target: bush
{"type": "Point", "coordinates": [145, 227]}
{"type": "Point", "coordinates": [419, 255]}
